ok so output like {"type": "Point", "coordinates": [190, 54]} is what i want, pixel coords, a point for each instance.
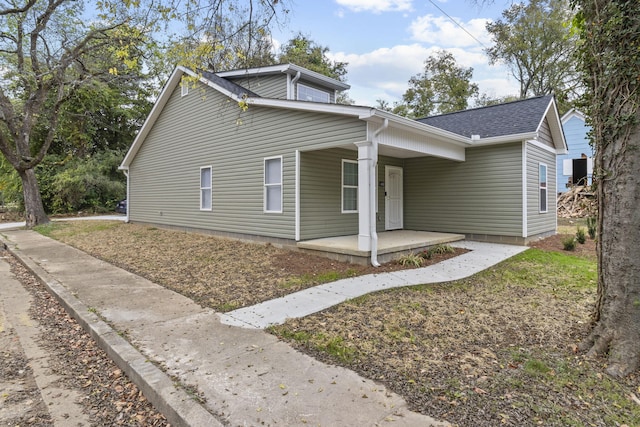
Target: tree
{"type": "Point", "coordinates": [50, 49]}
{"type": "Point", "coordinates": [444, 87]}
{"type": "Point", "coordinates": [536, 43]}
{"type": "Point", "coordinates": [609, 55]}
{"type": "Point", "coordinates": [304, 52]}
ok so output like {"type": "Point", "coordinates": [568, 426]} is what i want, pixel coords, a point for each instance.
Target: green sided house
{"type": "Point", "coordinates": [267, 153]}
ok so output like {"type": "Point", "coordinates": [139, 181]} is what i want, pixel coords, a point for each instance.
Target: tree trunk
{"type": "Point", "coordinates": [617, 316]}
{"type": "Point", "coordinates": [35, 214]}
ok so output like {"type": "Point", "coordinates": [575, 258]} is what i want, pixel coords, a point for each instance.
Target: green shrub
{"type": "Point", "coordinates": [411, 260]}
{"type": "Point", "coordinates": [592, 223]}
{"type": "Point", "coordinates": [581, 236]}
{"type": "Point", "coordinates": [442, 249]}
{"type": "Point", "coordinates": [436, 250]}
{"type": "Point", "coordinates": [569, 243]}
{"type": "Point", "coordinates": [90, 183]}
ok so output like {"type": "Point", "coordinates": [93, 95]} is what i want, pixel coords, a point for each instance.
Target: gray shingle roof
{"type": "Point", "coordinates": [512, 118]}
{"type": "Point", "coordinates": [232, 87]}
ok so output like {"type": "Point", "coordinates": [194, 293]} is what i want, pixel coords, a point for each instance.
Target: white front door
{"type": "Point", "coordinates": [393, 198]}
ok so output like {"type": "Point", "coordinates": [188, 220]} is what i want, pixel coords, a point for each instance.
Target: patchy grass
{"type": "Point", "coordinates": [495, 349]}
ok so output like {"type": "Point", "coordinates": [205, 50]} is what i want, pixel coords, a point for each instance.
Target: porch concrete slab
{"type": "Point", "coordinates": [308, 301]}
{"type": "Point", "coordinates": [388, 242]}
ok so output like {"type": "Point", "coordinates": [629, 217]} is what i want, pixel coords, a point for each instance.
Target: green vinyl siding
{"type": "Point", "coordinates": [482, 195]}
{"type": "Point", "coordinates": [539, 223]}
{"type": "Point", "coordinates": [195, 131]}
{"type": "Point", "coordinates": [545, 134]}
{"type": "Point", "coordinates": [265, 86]}
{"type": "Point", "coordinates": [320, 195]}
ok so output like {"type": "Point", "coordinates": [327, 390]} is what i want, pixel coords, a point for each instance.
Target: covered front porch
{"type": "Point", "coordinates": [391, 245]}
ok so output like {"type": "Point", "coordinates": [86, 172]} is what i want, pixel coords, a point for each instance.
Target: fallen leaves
{"type": "Point", "coordinates": [110, 397]}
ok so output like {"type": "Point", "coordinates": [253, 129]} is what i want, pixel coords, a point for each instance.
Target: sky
{"type": "Point", "coordinates": [386, 42]}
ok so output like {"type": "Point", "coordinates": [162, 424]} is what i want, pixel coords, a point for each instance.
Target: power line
{"type": "Point", "coordinates": [457, 24]}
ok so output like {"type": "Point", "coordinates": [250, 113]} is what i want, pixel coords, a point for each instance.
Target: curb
{"type": "Point", "coordinates": [174, 403]}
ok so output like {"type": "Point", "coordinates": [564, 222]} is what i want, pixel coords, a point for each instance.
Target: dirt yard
{"type": "Point", "coordinates": [220, 273]}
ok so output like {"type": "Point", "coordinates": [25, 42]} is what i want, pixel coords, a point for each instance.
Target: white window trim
{"type": "Point", "coordinates": [312, 88]}
{"type": "Point", "coordinates": [546, 188]}
{"type": "Point", "coordinates": [184, 88]}
{"type": "Point", "coordinates": [210, 188]}
{"type": "Point", "coordinates": [343, 186]}
{"type": "Point", "coordinates": [264, 180]}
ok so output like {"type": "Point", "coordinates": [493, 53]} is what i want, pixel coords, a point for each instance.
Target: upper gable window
{"type": "Point", "coordinates": [307, 93]}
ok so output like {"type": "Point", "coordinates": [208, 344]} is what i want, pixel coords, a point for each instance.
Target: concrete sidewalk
{"type": "Point", "coordinates": [318, 298]}
{"type": "Point", "coordinates": [18, 225]}
{"type": "Point", "coordinates": [244, 376]}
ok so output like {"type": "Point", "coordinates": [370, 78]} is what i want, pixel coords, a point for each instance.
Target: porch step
{"type": "Point", "coordinates": [391, 245]}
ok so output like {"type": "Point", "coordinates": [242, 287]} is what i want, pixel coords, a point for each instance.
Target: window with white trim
{"type": "Point", "coordinates": [349, 186]}
{"type": "Point", "coordinates": [308, 93]}
{"type": "Point", "coordinates": [184, 88]}
{"type": "Point", "coordinates": [542, 185]}
{"type": "Point", "coordinates": [273, 184]}
{"type": "Point", "coordinates": [205, 188]}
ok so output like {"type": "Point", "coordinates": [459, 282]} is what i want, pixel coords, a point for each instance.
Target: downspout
{"type": "Point", "coordinates": [293, 85]}
{"type": "Point", "coordinates": [126, 173]}
{"type": "Point", "coordinates": [373, 199]}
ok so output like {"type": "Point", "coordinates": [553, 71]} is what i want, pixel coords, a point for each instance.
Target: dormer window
{"type": "Point", "coordinates": [307, 93]}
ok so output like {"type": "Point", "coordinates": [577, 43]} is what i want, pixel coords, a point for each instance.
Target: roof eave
{"type": "Point", "coordinates": [503, 139]}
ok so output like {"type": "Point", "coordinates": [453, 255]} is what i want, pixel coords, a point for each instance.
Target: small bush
{"type": "Point", "coordinates": [411, 260]}
{"type": "Point", "coordinates": [581, 236]}
{"type": "Point", "coordinates": [436, 250]}
{"type": "Point", "coordinates": [569, 243]}
{"type": "Point", "coordinates": [441, 250]}
{"type": "Point", "coordinates": [591, 226]}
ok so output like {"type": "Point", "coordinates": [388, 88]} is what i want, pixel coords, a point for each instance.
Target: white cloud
{"type": "Point", "coordinates": [384, 73]}
{"type": "Point", "coordinates": [376, 6]}
{"type": "Point", "coordinates": [440, 30]}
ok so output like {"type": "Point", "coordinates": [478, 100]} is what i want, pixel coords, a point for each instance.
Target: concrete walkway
{"type": "Point", "coordinates": [243, 375]}
{"type": "Point", "coordinates": [313, 300]}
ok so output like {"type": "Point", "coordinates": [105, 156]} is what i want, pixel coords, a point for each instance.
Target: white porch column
{"type": "Point", "coordinates": [365, 162]}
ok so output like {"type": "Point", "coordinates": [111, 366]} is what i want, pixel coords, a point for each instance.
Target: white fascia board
{"type": "Point", "coordinates": [542, 146]}
{"type": "Point", "coordinates": [571, 114]}
{"type": "Point", "coordinates": [318, 107]}
{"type": "Point", "coordinates": [161, 101]}
{"type": "Point", "coordinates": [503, 139]}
